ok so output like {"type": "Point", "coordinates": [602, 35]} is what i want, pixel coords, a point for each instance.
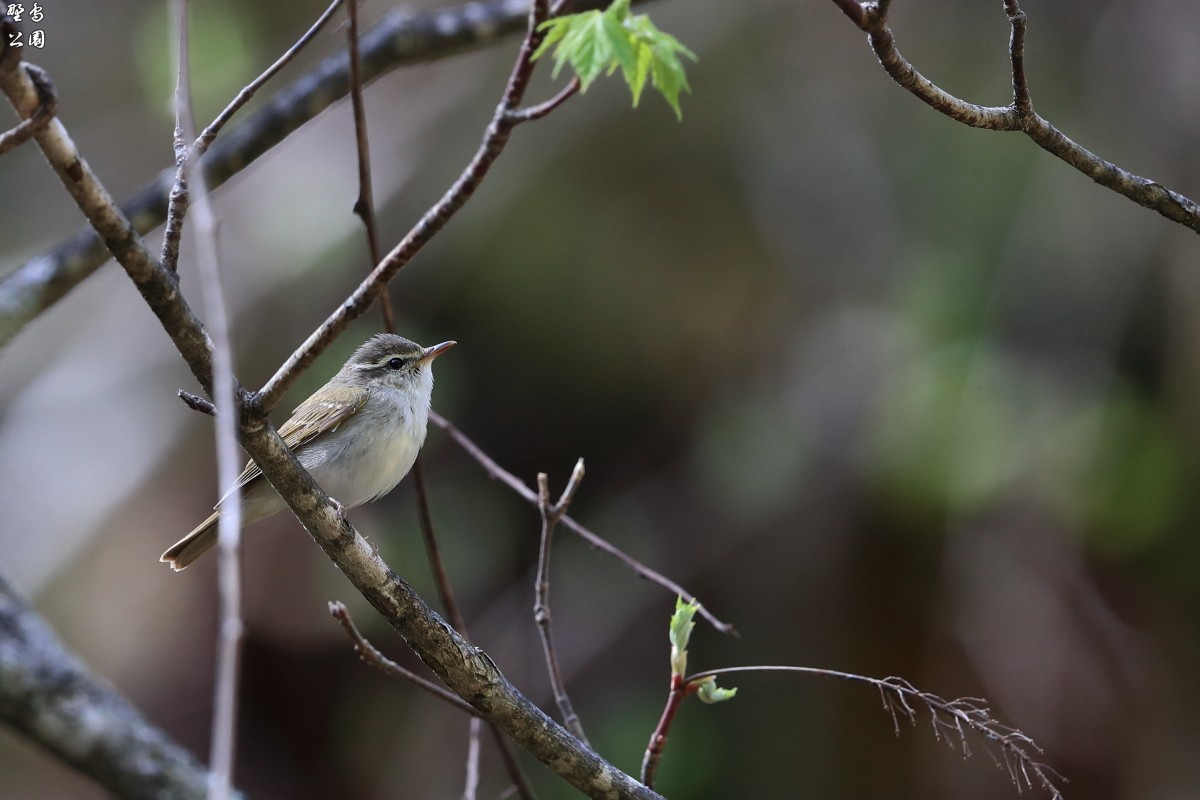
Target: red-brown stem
{"type": "Point", "coordinates": [658, 740]}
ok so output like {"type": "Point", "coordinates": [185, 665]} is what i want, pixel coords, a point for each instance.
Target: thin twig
{"type": "Point", "coordinates": [471, 787]}
{"type": "Point", "coordinates": [494, 140]}
{"type": "Point", "coordinates": [197, 403]}
{"type": "Point", "coordinates": [364, 206]}
{"type": "Point", "coordinates": [437, 564]}
{"type": "Point", "coordinates": [229, 638]}
{"type": "Point", "coordinates": [544, 108]}
{"type": "Point", "coordinates": [1020, 116]}
{"type": "Point", "coordinates": [188, 154]}
{"type": "Point", "coordinates": [551, 514]}
{"type": "Point", "coordinates": [248, 91]}
{"type": "Point", "coordinates": [1016, 54]}
{"type": "Point", "coordinates": [680, 689]}
{"type": "Point", "coordinates": [517, 485]}
{"type": "Point", "coordinates": [371, 655]}
{"type": "Point", "coordinates": [950, 720]}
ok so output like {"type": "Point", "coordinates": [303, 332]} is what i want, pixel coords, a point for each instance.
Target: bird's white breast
{"type": "Point", "coordinates": [373, 450]}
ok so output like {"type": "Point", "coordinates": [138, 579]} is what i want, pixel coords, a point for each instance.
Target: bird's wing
{"type": "Point", "coordinates": [310, 419]}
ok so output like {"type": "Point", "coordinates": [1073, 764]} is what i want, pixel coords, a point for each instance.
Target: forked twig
{"type": "Point", "coordinates": [551, 513]}
{"type": "Point", "coordinates": [517, 485]}
{"type": "Point", "coordinates": [871, 17]}
{"type": "Point", "coordinates": [46, 107]}
{"type": "Point", "coordinates": [187, 155]}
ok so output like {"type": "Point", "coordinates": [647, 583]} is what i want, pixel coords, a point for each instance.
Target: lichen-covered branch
{"type": "Point", "coordinates": [48, 695]}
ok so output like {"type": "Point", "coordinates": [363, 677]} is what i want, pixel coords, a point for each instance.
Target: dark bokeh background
{"type": "Point", "coordinates": [891, 395]}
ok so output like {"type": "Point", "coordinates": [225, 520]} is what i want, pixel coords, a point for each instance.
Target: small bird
{"type": "Point", "coordinates": [358, 435]}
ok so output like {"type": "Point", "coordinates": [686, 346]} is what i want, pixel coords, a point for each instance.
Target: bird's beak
{"type": "Point", "coordinates": [433, 352]}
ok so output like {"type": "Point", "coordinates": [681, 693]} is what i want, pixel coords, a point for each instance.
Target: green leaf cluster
{"type": "Point", "coordinates": [595, 42]}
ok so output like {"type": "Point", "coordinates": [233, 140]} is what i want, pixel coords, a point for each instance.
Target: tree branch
{"type": "Point", "coordinates": [159, 288]}
{"type": "Point", "coordinates": [465, 669]}
{"type": "Point", "coordinates": [871, 17]}
{"type": "Point", "coordinates": [403, 37]}
{"type": "Point", "coordinates": [49, 695]}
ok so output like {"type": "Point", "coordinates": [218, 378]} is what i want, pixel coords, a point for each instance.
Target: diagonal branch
{"type": "Point", "coordinates": [160, 289]}
{"type": "Point", "coordinates": [871, 17]}
{"type": "Point", "coordinates": [402, 38]}
{"type": "Point", "coordinates": [50, 696]}
{"type": "Point", "coordinates": [464, 668]}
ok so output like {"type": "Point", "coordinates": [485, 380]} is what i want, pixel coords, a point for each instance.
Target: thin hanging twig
{"type": "Point", "coordinates": [229, 638]}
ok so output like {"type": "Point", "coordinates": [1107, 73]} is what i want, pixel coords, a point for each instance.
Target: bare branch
{"type": "Point", "coordinates": [1016, 54]}
{"type": "Point", "coordinates": [1020, 116]}
{"type": "Point", "coordinates": [542, 109]}
{"type": "Point", "coordinates": [187, 154]}
{"type": "Point", "coordinates": [371, 655]}
{"type": "Point", "coordinates": [229, 634]}
{"type": "Point", "coordinates": [472, 783]}
{"type": "Point", "coordinates": [513, 482]}
{"type": "Point", "coordinates": [551, 514]}
{"type": "Point", "coordinates": [364, 207]}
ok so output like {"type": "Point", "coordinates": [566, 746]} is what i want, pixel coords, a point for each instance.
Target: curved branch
{"type": "Point", "coordinates": [871, 17]}
{"type": "Point", "coordinates": [50, 696]}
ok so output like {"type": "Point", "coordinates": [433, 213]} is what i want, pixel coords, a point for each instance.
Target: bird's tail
{"type": "Point", "coordinates": [192, 546]}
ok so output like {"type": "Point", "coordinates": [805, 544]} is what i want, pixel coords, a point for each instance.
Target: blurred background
{"type": "Point", "coordinates": [891, 395]}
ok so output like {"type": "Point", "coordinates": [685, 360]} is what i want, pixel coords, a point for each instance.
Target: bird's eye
{"type": "Point", "coordinates": [395, 363]}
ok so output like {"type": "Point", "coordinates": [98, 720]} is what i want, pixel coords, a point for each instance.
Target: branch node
{"type": "Point", "coordinates": [41, 116]}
